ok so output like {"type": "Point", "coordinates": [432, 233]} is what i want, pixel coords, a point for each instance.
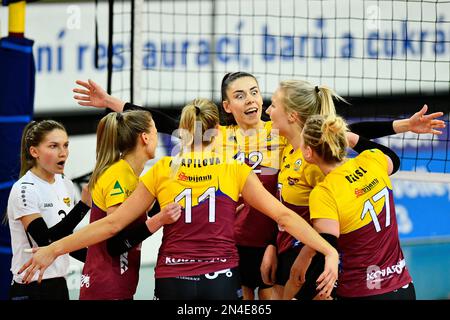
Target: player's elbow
{"type": "Point", "coordinates": [283, 220]}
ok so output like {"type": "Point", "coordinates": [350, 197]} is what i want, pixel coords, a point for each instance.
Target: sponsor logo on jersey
{"type": "Point", "coordinates": [183, 177]}
{"type": "Point", "coordinates": [66, 200]}
{"type": "Point", "coordinates": [85, 281]}
{"type": "Point", "coordinates": [172, 260]}
{"type": "Point", "coordinates": [117, 189]}
{"type": "Point", "coordinates": [123, 262]}
{"type": "Point", "coordinates": [48, 205]}
{"type": "Point", "coordinates": [375, 274]}
{"type": "Point", "coordinates": [297, 164]}
{"type": "Point", "coordinates": [292, 181]}
{"type": "Point", "coordinates": [360, 191]}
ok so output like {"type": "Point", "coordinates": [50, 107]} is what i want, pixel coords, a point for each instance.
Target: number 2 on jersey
{"type": "Point", "coordinates": [368, 207]}
{"type": "Point", "coordinates": [252, 155]}
{"type": "Point", "coordinates": [187, 193]}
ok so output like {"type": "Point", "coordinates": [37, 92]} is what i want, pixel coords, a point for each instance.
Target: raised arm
{"type": "Point", "coordinates": [420, 122]}
{"type": "Point", "coordinates": [92, 94]}
{"type": "Point", "coordinates": [359, 144]}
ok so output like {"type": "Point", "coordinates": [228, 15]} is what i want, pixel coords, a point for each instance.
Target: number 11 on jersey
{"type": "Point", "coordinates": [187, 193]}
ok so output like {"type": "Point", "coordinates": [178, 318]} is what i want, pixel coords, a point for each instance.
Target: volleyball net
{"type": "Point", "coordinates": [387, 58]}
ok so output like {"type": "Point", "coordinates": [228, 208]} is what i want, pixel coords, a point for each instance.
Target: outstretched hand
{"type": "Point", "coordinates": [91, 95]}
{"type": "Point", "coordinates": [421, 122]}
{"type": "Point", "coordinates": [42, 258]}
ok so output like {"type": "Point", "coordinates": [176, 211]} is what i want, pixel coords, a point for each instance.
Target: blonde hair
{"type": "Point", "coordinates": [32, 135]}
{"type": "Point", "coordinates": [327, 137]}
{"type": "Point", "coordinates": [117, 135]}
{"type": "Point", "coordinates": [197, 117]}
{"type": "Point", "coordinates": [302, 97]}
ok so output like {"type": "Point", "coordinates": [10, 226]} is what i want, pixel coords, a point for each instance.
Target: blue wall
{"type": "Point", "coordinates": [429, 266]}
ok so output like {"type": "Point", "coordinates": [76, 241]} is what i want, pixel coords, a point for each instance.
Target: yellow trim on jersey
{"type": "Point", "coordinates": [115, 185]}
{"type": "Point", "coordinates": [352, 191]}
{"type": "Point", "coordinates": [198, 172]}
{"type": "Point", "coordinates": [297, 177]}
{"type": "Point", "coordinates": [261, 146]}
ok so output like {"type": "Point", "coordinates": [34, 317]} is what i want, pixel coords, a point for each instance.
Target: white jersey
{"type": "Point", "coordinates": [30, 195]}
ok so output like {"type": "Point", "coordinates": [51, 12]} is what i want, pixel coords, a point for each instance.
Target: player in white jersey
{"type": "Point", "coordinates": [41, 209]}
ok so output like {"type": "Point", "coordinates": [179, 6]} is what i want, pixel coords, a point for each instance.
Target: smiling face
{"type": "Point", "coordinates": [51, 153]}
{"type": "Point", "coordinates": [244, 102]}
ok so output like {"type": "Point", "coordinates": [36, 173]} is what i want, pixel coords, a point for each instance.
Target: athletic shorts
{"type": "Point", "coordinates": [250, 259]}
{"type": "Point", "coordinates": [407, 292]}
{"type": "Point", "coordinates": [308, 290]}
{"type": "Point", "coordinates": [48, 289]}
{"type": "Point", "coordinates": [219, 285]}
{"type": "Point", "coordinates": [285, 262]}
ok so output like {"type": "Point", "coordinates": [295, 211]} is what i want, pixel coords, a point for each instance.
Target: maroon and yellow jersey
{"type": "Point", "coordinates": [296, 180]}
{"type": "Point", "coordinates": [261, 151]}
{"type": "Point", "coordinates": [358, 194]}
{"type": "Point", "coordinates": [106, 277]}
{"type": "Point", "coordinates": [207, 188]}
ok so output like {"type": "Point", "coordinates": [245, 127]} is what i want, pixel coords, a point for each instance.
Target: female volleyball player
{"type": "Point", "coordinates": [355, 205]}
{"type": "Point", "coordinates": [125, 142]}
{"type": "Point", "coordinates": [244, 137]}
{"type": "Point", "coordinates": [292, 103]}
{"type": "Point", "coordinates": [41, 209]}
{"type": "Point", "coordinates": [241, 106]}
{"type": "Point", "coordinates": [198, 249]}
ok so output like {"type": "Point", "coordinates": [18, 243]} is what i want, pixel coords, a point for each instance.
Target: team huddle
{"type": "Point", "coordinates": [273, 209]}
